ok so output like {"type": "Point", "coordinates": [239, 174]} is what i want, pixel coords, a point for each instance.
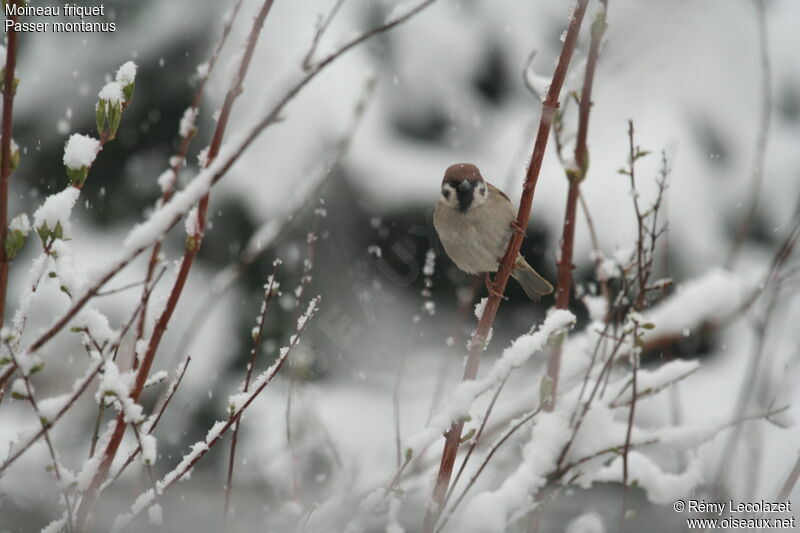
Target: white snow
{"type": "Point", "coordinates": [50, 407]}
{"type": "Point", "coordinates": [112, 93]}
{"type": "Point", "coordinates": [490, 511]}
{"type": "Point", "coordinates": [202, 157]}
{"type": "Point", "coordinates": [590, 522]}
{"type": "Point", "coordinates": [19, 389]}
{"type": "Point", "coordinates": [187, 124]}
{"type": "Point", "coordinates": [73, 277]}
{"type": "Point", "coordinates": [80, 151]}
{"type": "Point", "coordinates": [97, 324]}
{"type": "Point", "coordinates": [20, 223]}
{"type": "Point", "coordinates": [149, 449]}
{"type": "Point", "coordinates": [597, 306]}
{"type": "Point", "coordinates": [202, 70]}
{"type": "Point", "coordinates": [154, 513]}
{"type": "Point", "coordinates": [191, 224]}
{"type": "Point", "coordinates": [156, 377]}
{"type": "Point", "coordinates": [56, 209]}
{"type": "Point", "coordinates": [661, 487]}
{"type": "Point", "coordinates": [430, 262]}
{"type": "Point", "coordinates": [126, 74]}
{"type": "Point", "coordinates": [711, 297]}
{"type": "Point", "coordinates": [216, 430]}
{"type": "Point", "coordinates": [464, 395]}
{"type": "Point", "coordinates": [166, 180]}
{"type": "Point", "coordinates": [480, 306]}
{"type": "Point", "coordinates": [56, 525]}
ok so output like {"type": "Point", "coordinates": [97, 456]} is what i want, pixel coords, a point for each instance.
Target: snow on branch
{"type": "Point", "coordinates": [465, 394]}
{"type": "Point", "coordinates": [217, 432]}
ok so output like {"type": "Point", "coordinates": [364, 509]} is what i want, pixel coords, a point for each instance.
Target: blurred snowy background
{"type": "Point", "coordinates": [447, 88]}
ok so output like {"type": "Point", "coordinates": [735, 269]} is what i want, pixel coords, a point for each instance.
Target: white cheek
{"type": "Point", "coordinates": [480, 197]}
{"type": "Point", "coordinates": [448, 196]}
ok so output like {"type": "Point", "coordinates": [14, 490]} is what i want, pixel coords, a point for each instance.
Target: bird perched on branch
{"type": "Point", "coordinates": [475, 221]}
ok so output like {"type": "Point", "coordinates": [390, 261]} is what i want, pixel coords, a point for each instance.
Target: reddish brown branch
{"type": "Point", "coordinates": [478, 343]}
{"type": "Point", "coordinates": [9, 90]}
{"type": "Point", "coordinates": [178, 161]}
{"type": "Point", "coordinates": [193, 245]}
{"type": "Point", "coordinates": [575, 176]}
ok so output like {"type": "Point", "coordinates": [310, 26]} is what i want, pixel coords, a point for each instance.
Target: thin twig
{"type": "Point", "coordinates": [475, 440]}
{"type": "Point", "coordinates": [322, 27]}
{"type": "Point", "coordinates": [269, 290]}
{"type": "Point", "coordinates": [79, 390]}
{"type": "Point", "coordinates": [513, 429]}
{"type": "Point", "coordinates": [791, 481]}
{"type": "Point", "coordinates": [266, 378]}
{"type": "Point", "coordinates": [629, 432]}
{"type": "Point", "coordinates": [51, 449]}
{"type": "Point", "coordinates": [151, 426]}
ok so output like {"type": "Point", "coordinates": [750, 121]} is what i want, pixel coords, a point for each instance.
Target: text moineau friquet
{"type": "Point", "coordinates": [66, 13]}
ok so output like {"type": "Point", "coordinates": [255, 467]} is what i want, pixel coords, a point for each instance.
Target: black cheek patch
{"type": "Point", "coordinates": [446, 193]}
{"type": "Point", "coordinates": [464, 200]}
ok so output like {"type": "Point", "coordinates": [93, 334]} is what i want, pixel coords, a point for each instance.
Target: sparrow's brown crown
{"type": "Point", "coordinates": [462, 172]}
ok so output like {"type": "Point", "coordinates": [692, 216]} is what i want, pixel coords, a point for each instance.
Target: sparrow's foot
{"type": "Point", "coordinates": [492, 288]}
{"type": "Point", "coordinates": [517, 228]}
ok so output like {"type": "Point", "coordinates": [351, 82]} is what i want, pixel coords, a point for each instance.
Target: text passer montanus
{"type": "Point", "coordinates": [475, 221]}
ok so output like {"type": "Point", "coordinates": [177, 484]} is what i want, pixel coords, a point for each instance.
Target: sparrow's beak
{"type": "Point", "coordinates": [464, 193]}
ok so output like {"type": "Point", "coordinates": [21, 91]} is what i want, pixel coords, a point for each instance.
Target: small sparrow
{"type": "Point", "coordinates": [475, 221]}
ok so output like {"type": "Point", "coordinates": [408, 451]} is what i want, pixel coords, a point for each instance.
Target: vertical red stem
{"type": "Point", "coordinates": [575, 176]}
{"type": "Point", "coordinates": [478, 344]}
{"type": "Point", "coordinates": [5, 155]}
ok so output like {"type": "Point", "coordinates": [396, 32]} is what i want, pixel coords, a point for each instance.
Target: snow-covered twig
{"type": "Point", "coordinates": [217, 432]}
{"type": "Point", "coordinates": [270, 288]}
{"type": "Point", "coordinates": [45, 423]}
{"type": "Point", "coordinates": [78, 389]}
{"type": "Point", "coordinates": [152, 422]}
{"type": "Point", "coordinates": [515, 426]}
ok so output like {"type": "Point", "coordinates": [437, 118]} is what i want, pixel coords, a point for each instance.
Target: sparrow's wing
{"type": "Point", "coordinates": [501, 193]}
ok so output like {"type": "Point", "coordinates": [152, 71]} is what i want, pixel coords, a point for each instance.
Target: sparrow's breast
{"type": "Point", "coordinates": [474, 240]}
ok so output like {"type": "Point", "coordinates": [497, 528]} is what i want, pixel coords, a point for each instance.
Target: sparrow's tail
{"type": "Point", "coordinates": [534, 285]}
